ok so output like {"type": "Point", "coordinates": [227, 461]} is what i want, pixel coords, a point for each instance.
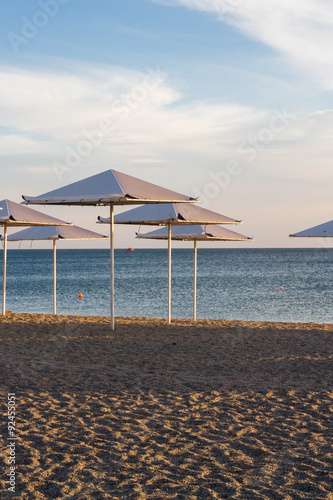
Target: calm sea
{"type": "Point", "coordinates": [232, 283]}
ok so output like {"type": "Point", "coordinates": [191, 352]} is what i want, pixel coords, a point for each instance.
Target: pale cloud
{"type": "Point", "coordinates": [301, 30]}
{"type": "Point", "coordinates": [62, 104]}
{"type": "Point", "coordinates": [162, 139]}
{"type": "Point", "coordinates": [44, 114]}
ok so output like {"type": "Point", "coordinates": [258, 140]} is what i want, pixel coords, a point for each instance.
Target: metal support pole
{"type": "Point", "coordinates": [112, 263]}
{"type": "Point", "coordinates": [195, 281]}
{"type": "Point", "coordinates": [4, 271]}
{"type": "Point", "coordinates": [54, 276]}
{"type": "Point", "coordinates": [169, 273]}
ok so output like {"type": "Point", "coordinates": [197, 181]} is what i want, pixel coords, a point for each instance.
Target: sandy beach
{"type": "Point", "coordinates": [212, 409]}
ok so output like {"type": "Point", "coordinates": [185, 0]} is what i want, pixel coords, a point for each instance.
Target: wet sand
{"type": "Point", "coordinates": [205, 410]}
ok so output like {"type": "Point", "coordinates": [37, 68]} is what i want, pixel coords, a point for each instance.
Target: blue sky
{"type": "Point", "coordinates": [226, 99]}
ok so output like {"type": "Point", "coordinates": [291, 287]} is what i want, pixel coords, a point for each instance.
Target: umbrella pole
{"type": "Point", "coordinates": [54, 276]}
{"type": "Point", "coordinates": [169, 273]}
{"type": "Point", "coordinates": [195, 281]}
{"type": "Point", "coordinates": [112, 263]}
{"type": "Point", "coordinates": [4, 271]}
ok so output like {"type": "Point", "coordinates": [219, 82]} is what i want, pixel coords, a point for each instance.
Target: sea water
{"type": "Point", "coordinates": [242, 284]}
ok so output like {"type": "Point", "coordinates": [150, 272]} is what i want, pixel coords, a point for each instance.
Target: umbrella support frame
{"type": "Point", "coordinates": [112, 263]}
{"type": "Point", "coordinates": [195, 280]}
{"type": "Point", "coordinates": [4, 278]}
{"type": "Point", "coordinates": [169, 273]}
{"type": "Point", "coordinates": [54, 276]}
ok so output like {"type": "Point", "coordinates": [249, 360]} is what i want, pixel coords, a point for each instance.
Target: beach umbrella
{"type": "Point", "coordinates": [195, 234]}
{"type": "Point", "coordinates": [55, 233]}
{"type": "Point", "coordinates": [170, 214]}
{"type": "Point", "coordinates": [322, 231]}
{"type": "Point", "coordinates": [15, 215]}
{"type": "Point", "coordinates": [108, 188]}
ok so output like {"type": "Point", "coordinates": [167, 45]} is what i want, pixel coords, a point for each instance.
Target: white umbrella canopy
{"type": "Point", "coordinates": [14, 215]}
{"type": "Point", "coordinates": [174, 213]}
{"type": "Point", "coordinates": [105, 188]}
{"type": "Point", "coordinates": [55, 233]}
{"type": "Point", "coordinates": [200, 232]}
{"type": "Point", "coordinates": [170, 214]}
{"type": "Point", "coordinates": [109, 188]}
{"type": "Point", "coordinates": [322, 231]}
{"type": "Point", "coordinates": [195, 234]}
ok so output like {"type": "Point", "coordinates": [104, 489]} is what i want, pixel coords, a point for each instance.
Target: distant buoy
{"type": "Point", "coordinates": [281, 288]}
{"type": "Point", "coordinates": [130, 250]}
{"type": "Point", "coordinates": [80, 295]}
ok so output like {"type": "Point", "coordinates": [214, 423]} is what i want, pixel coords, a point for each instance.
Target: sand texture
{"type": "Point", "coordinates": [206, 410]}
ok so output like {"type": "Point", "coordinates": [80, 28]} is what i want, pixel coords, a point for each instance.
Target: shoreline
{"type": "Point", "coordinates": [47, 317]}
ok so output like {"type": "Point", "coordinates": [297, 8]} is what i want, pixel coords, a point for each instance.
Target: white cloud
{"type": "Point", "coordinates": [159, 138]}
{"type": "Point", "coordinates": [43, 114]}
{"type": "Point", "coordinates": [62, 104]}
{"type": "Point", "coordinates": [301, 30]}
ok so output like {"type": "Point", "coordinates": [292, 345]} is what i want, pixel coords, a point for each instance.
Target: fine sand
{"type": "Point", "coordinates": [206, 410]}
